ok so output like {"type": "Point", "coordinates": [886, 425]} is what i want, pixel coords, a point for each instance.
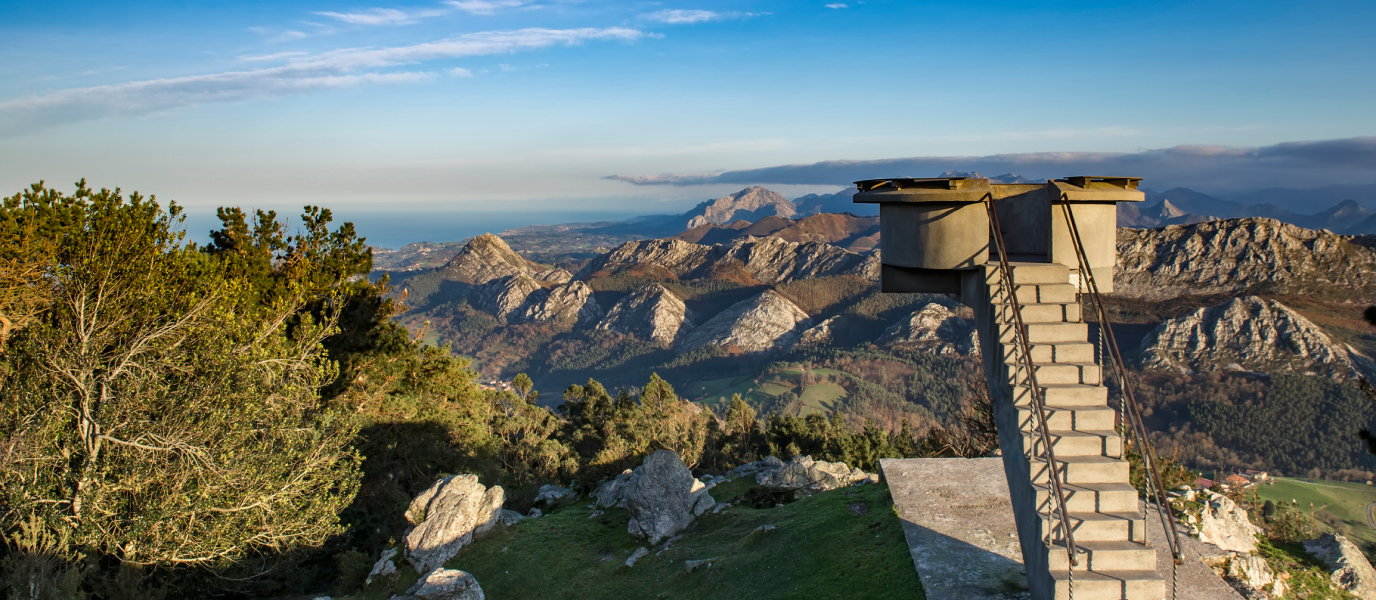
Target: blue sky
{"type": "Point", "coordinates": [520, 105]}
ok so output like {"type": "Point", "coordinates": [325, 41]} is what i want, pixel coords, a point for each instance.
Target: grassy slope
{"type": "Point", "coordinates": [1344, 500]}
{"type": "Point", "coordinates": [821, 549]}
{"type": "Point", "coordinates": [818, 397]}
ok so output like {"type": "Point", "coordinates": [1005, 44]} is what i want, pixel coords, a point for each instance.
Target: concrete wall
{"type": "Point", "coordinates": [937, 235]}
{"type": "Point", "coordinates": [1098, 225]}
{"type": "Point", "coordinates": [1016, 467]}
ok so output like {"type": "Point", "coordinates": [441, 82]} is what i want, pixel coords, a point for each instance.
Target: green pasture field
{"type": "Point", "coordinates": [1345, 501]}
{"type": "Point", "coordinates": [846, 543]}
{"type": "Point", "coordinates": [816, 398]}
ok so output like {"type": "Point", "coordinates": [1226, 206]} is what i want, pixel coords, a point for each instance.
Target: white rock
{"type": "Point", "coordinates": [506, 298]}
{"type": "Point", "coordinates": [812, 475]}
{"type": "Point", "coordinates": [635, 557]}
{"type": "Point", "coordinates": [384, 565]}
{"type": "Point", "coordinates": [1351, 570]}
{"type": "Point", "coordinates": [446, 516]}
{"type": "Point", "coordinates": [569, 302]}
{"type": "Point", "coordinates": [750, 204]}
{"type": "Point", "coordinates": [446, 584]}
{"type": "Point", "coordinates": [1253, 577]}
{"type": "Point", "coordinates": [1224, 524]}
{"type": "Point", "coordinates": [661, 495]}
{"type": "Point", "coordinates": [484, 258]}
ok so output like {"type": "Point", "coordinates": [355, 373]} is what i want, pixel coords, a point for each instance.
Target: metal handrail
{"type": "Point", "coordinates": [1025, 348]}
{"type": "Point", "coordinates": [1155, 485]}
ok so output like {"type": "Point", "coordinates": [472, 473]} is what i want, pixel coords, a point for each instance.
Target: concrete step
{"type": "Point", "coordinates": [1096, 527]}
{"type": "Point", "coordinates": [1049, 374]}
{"type": "Point", "coordinates": [1046, 333]}
{"type": "Point", "coordinates": [1061, 417]}
{"type": "Point", "coordinates": [1062, 352]}
{"type": "Point", "coordinates": [1046, 293]}
{"type": "Point", "coordinates": [1081, 470]}
{"type": "Point", "coordinates": [1078, 443]}
{"type": "Point", "coordinates": [1072, 394]}
{"type": "Point", "coordinates": [1090, 497]}
{"type": "Point", "coordinates": [1039, 313]}
{"type": "Point", "coordinates": [1118, 585]}
{"type": "Point", "coordinates": [1026, 272]}
{"type": "Point", "coordinates": [1104, 556]}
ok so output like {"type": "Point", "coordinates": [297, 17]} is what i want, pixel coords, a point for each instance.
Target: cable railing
{"type": "Point", "coordinates": [1034, 390]}
{"type": "Point", "coordinates": [1156, 486]}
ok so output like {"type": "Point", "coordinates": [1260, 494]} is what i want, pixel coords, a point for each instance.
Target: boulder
{"type": "Point", "coordinates": [509, 517]}
{"type": "Point", "coordinates": [1224, 524]}
{"type": "Point", "coordinates": [384, 565]}
{"type": "Point", "coordinates": [812, 475]}
{"type": "Point", "coordinates": [635, 557]}
{"type": "Point", "coordinates": [445, 518]}
{"type": "Point", "coordinates": [550, 495]}
{"type": "Point", "coordinates": [445, 584]}
{"type": "Point", "coordinates": [661, 495]}
{"type": "Point", "coordinates": [1250, 576]}
{"type": "Point", "coordinates": [1351, 570]}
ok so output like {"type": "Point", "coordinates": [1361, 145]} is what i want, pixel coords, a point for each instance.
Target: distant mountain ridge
{"type": "Point", "coordinates": [1182, 206]}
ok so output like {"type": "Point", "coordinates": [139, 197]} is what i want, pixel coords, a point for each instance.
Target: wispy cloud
{"type": "Point", "coordinates": [688, 17]}
{"type": "Point", "coordinates": [1291, 164]}
{"type": "Point", "coordinates": [837, 5]}
{"type": "Point", "coordinates": [384, 16]}
{"type": "Point", "coordinates": [485, 7]}
{"type": "Point", "coordinates": [300, 73]}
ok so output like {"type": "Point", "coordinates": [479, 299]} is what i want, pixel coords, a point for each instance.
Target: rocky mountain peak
{"type": "Point", "coordinates": [936, 328]}
{"type": "Point", "coordinates": [1240, 256]}
{"type": "Point", "coordinates": [1168, 211]}
{"type": "Point", "coordinates": [760, 323]}
{"type": "Point", "coordinates": [1251, 334]}
{"type": "Point", "coordinates": [768, 260]}
{"type": "Point", "coordinates": [484, 258]}
{"type": "Point", "coordinates": [652, 313]}
{"type": "Point", "coordinates": [751, 204]}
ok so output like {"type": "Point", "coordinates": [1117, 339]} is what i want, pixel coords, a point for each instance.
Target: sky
{"type": "Point", "coordinates": [549, 110]}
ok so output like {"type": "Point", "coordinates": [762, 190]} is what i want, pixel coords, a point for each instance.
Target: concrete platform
{"type": "Point", "coordinates": [958, 521]}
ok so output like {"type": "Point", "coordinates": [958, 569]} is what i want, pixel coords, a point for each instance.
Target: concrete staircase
{"type": "Point", "coordinates": [1105, 515]}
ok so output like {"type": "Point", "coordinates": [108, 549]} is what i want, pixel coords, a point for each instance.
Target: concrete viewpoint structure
{"type": "Point", "coordinates": [937, 239]}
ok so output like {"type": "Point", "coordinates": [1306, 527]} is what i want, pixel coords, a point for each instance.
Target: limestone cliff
{"type": "Point", "coordinates": [766, 260]}
{"type": "Point", "coordinates": [506, 297]}
{"type": "Point", "coordinates": [749, 204]}
{"type": "Point", "coordinates": [572, 302]}
{"type": "Point", "coordinates": [651, 312]}
{"type": "Point", "coordinates": [1248, 334]}
{"type": "Point", "coordinates": [766, 321]}
{"type": "Point", "coordinates": [1240, 256]}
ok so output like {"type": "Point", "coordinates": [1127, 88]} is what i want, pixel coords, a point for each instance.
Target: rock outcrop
{"type": "Point", "coordinates": [803, 473]}
{"type": "Point", "coordinates": [767, 260]}
{"type": "Point", "coordinates": [445, 584]}
{"type": "Point", "coordinates": [1224, 524]}
{"type": "Point", "coordinates": [750, 204]}
{"type": "Point", "coordinates": [446, 516]}
{"type": "Point", "coordinates": [661, 495]}
{"type": "Point", "coordinates": [555, 275]}
{"type": "Point", "coordinates": [483, 259]}
{"type": "Point", "coordinates": [1351, 570]}
{"type": "Point", "coordinates": [505, 297]}
{"type": "Point", "coordinates": [1249, 575]}
{"type": "Point", "coordinates": [824, 332]}
{"type": "Point", "coordinates": [764, 322]}
{"type": "Point", "coordinates": [651, 313]}
{"type": "Point", "coordinates": [933, 327]}
{"type": "Point", "coordinates": [1250, 334]}
{"type": "Point", "coordinates": [571, 301]}
{"type": "Point", "coordinates": [1237, 256]}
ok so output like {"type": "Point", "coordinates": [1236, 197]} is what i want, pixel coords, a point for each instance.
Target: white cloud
{"type": "Point", "coordinates": [384, 16]}
{"type": "Point", "coordinates": [682, 17]}
{"type": "Point", "coordinates": [484, 7]}
{"type": "Point", "coordinates": [300, 73]}
{"type": "Point", "coordinates": [689, 17]}
{"type": "Point", "coordinates": [460, 72]}
{"type": "Point", "coordinates": [837, 5]}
